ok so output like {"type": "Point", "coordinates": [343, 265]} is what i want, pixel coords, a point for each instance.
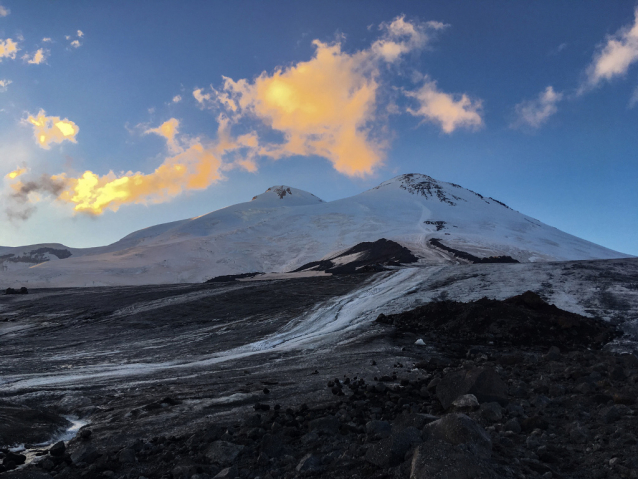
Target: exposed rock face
{"type": "Point", "coordinates": [467, 256]}
{"type": "Point", "coordinates": [523, 320]}
{"type": "Point", "coordinates": [364, 257]}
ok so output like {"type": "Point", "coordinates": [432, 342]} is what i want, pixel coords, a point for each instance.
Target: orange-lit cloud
{"type": "Point", "coordinates": [14, 174]}
{"type": "Point", "coordinates": [37, 58]}
{"type": "Point", "coordinates": [194, 164]}
{"type": "Point", "coordinates": [194, 168]}
{"type": "Point", "coordinates": [449, 111]}
{"type": "Point", "coordinates": [52, 129]}
{"type": "Point", "coordinates": [4, 11]}
{"type": "Point", "coordinates": [177, 98]}
{"type": "Point", "coordinates": [322, 107]}
{"type": "Point", "coordinates": [8, 49]}
{"type": "Point", "coordinates": [331, 105]}
{"type": "Point", "coordinates": [614, 57]}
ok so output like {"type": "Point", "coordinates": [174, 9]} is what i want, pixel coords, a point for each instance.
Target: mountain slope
{"type": "Point", "coordinates": [285, 228]}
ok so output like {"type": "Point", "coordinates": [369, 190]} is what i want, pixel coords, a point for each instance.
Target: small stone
{"type": "Point", "coordinates": [309, 463]}
{"type": "Point", "coordinates": [223, 452]}
{"type": "Point", "coordinates": [126, 456]}
{"type": "Point", "coordinates": [227, 473]}
{"type": "Point", "coordinates": [553, 354]}
{"type": "Point", "coordinates": [467, 401]}
{"type": "Point", "coordinates": [513, 425]}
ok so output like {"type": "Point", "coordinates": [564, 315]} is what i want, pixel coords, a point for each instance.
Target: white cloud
{"type": "Point", "coordinates": [4, 11]}
{"type": "Point", "coordinates": [80, 33]}
{"type": "Point", "coordinates": [46, 39]}
{"type": "Point", "coordinates": [449, 111]}
{"type": "Point", "coordinates": [536, 112]}
{"type": "Point", "coordinates": [8, 49]}
{"type": "Point", "coordinates": [177, 98]}
{"type": "Point", "coordinates": [38, 57]}
{"type": "Point", "coordinates": [615, 56]}
{"type": "Point", "coordinates": [4, 84]}
{"type": "Point", "coordinates": [400, 37]}
{"type": "Point", "coordinates": [76, 44]}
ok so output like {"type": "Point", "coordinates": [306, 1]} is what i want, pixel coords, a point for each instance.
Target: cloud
{"type": "Point", "coordinates": [51, 129]}
{"type": "Point", "coordinates": [168, 130]}
{"type": "Point", "coordinates": [75, 43]}
{"type": "Point", "coordinates": [633, 101]}
{"type": "Point", "coordinates": [4, 11]}
{"type": "Point", "coordinates": [14, 174]}
{"type": "Point", "coordinates": [4, 84]}
{"type": "Point", "coordinates": [334, 105]}
{"type": "Point", "coordinates": [447, 110]}
{"type": "Point", "coordinates": [38, 57]}
{"type": "Point", "coordinates": [46, 39]}
{"type": "Point", "coordinates": [535, 112]}
{"type": "Point", "coordinates": [25, 194]}
{"type": "Point", "coordinates": [326, 106]}
{"type": "Point", "coordinates": [614, 57]}
{"type": "Point", "coordinates": [177, 98]}
{"type": "Point", "coordinates": [193, 165]}
{"type": "Point", "coordinates": [400, 37]}
{"type": "Point", "coordinates": [8, 49]}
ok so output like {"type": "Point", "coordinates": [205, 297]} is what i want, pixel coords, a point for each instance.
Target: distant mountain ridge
{"type": "Point", "coordinates": [284, 228]}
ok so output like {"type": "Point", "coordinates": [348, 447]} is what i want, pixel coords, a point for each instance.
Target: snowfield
{"type": "Point", "coordinates": [284, 228]}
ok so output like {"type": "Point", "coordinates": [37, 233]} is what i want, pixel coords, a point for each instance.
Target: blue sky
{"type": "Point", "coordinates": [535, 104]}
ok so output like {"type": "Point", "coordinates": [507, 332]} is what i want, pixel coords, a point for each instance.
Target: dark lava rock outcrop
{"type": "Point", "coordinates": [524, 320]}
{"type": "Point", "coordinates": [366, 257]}
{"type": "Point", "coordinates": [229, 278]}
{"type": "Point", "coordinates": [470, 257]}
{"type": "Point", "coordinates": [22, 290]}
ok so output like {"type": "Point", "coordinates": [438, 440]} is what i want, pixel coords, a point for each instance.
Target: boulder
{"type": "Point", "coordinates": [491, 411]}
{"type": "Point", "coordinates": [223, 453]}
{"type": "Point", "coordinates": [484, 383]}
{"type": "Point", "coordinates": [272, 445]}
{"type": "Point", "coordinates": [390, 452]}
{"type": "Point", "coordinates": [442, 460]}
{"type": "Point", "coordinates": [378, 428]}
{"type": "Point", "coordinates": [459, 429]}
{"type": "Point", "coordinates": [58, 449]}
{"type": "Point", "coordinates": [127, 456]}
{"type": "Point", "coordinates": [325, 425]}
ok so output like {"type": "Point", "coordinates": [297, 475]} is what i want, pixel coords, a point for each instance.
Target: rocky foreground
{"type": "Point", "coordinates": [532, 392]}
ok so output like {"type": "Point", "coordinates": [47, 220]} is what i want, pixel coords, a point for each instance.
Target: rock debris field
{"type": "Point", "coordinates": [250, 380]}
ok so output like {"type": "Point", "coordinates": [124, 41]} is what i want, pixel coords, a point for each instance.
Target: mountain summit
{"type": "Point", "coordinates": [285, 196]}
{"type": "Point", "coordinates": [284, 228]}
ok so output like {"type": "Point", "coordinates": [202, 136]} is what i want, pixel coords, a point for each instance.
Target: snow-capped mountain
{"type": "Point", "coordinates": [285, 228]}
